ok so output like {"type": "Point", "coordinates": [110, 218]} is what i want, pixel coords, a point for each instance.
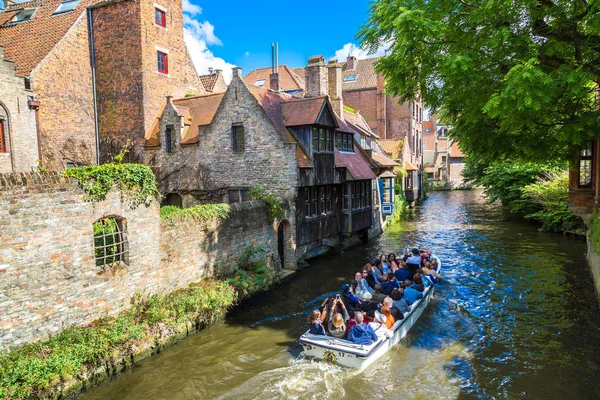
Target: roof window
{"type": "Point", "coordinates": [350, 78]}
{"type": "Point", "coordinates": [260, 82]}
{"type": "Point", "coordinates": [23, 15]}
{"type": "Point", "coordinates": [66, 6]}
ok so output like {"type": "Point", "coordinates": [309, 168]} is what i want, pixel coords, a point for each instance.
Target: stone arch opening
{"type": "Point", "coordinates": [285, 247]}
{"type": "Point", "coordinates": [173, 199]}
{"type": "Point", "coordinates": [111, 247]}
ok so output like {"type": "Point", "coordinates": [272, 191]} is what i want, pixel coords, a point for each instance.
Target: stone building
{"type": "Point", "coordinates": [99, 70]}
{"type": "Point", "coordinates": [19, 146]}
{"type": "Point", "coordinates": [222, 145]}
{"type": "Point", "coordinates": [363, 90]}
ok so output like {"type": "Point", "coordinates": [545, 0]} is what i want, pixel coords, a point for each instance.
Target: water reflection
{"type": "Point", "coordinates": [514, 317]}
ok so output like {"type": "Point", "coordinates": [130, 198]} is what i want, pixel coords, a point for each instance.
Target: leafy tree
{"type": "Point", "coordinates": [514, 78]}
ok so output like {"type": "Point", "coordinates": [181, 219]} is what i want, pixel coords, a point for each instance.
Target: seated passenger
{"type": "Point", "coordinates": [385, 267]}
{"type": "Point", "coordinates": [418, 282]}
{"type": "Point", "coordinates": [377, 295]}
{"type": "Point", "coordinates": [378, 325]}
{"type": "Point", "coordinates": [402, 273]}
{"type": "Point", "coordinates": [397, 314]}
{"type": "Point", "coordinates": [361, 333]}
{"type": "Point", "coordinates": [315, 323]}
{"type": "Point", "coordinates": [350, 301]}
{"type": "Point", "coordinates": [376, 271]}
{"type": "Point", "coordinates": [435, 266]}
{"type": "Point", "coordinates": [389, 319]}
{"type": "Point", "coordinates": [428, 270]}
{"type": "Point", "coordinates": [363, 282]}
{"type": "Point", "coordinates": [389, 284]}
{"type": "Point", "coordinates": [371, 275]}
{"type": "Point", "coordinates": [410, 294]}
{"type": "Point", "coordinates": [336, 324]}
{"type": "Point", "coordinates": [393, 262]}
{"type": "Point", "coordinates": [398, 302]}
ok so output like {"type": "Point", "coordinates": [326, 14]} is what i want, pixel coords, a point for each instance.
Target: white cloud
{"type": "Point", "coordinates": [350, 49]}
{"type": "Point", "coordinates": [198, 35]}
{"type": "Point", "coordinates": [247, 53]}
{"type": "Point", "coordinates": [191, 9]}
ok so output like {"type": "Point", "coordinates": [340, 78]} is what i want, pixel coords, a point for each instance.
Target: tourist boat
{"type": "Point", "coordinates": [360, 356]}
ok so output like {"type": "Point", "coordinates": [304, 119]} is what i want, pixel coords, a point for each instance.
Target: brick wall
{"type": "Point", "coordinates": [20, 130]}
{"type": "Point", "coordinates": [365, 102]}
{"type": "Point", "coordinates": [130, 88]}
{"type": "Point", "coordinates": [48, 275]}
{"type": "Point", "coordinates": [63, 85]}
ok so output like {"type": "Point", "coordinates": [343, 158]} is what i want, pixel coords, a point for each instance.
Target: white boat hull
{"type": "Point", "coordinates": [361, 356]}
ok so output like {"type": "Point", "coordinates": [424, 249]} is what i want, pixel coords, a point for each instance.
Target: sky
{"type": "Point", "coordinates": [223, 34]}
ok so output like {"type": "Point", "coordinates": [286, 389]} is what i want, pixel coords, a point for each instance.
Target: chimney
{"type": "Point", "coordinates": [218, 71]}
{"type": "Point", "coordinates": [350, 62]}
{"type": "Point", "coordinates": [237, 71]}
{"type": "Point", "coordinates": [210, 70]}
{"type": "Point", "coordinates": [274, 76]}
{"type": "Point", "coordinates": [335, 87]}
{"type": "Point", "coordinates": [316, 77]}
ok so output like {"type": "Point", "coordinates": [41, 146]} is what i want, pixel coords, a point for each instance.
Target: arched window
{"type": "Point", "coordinates": [3, 130]}
{"type": "Point", "coordinates": [110, 242]}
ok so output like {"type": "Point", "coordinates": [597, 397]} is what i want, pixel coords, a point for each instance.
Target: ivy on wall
{"type": "Point", "coordinates": [203, 214]}
{"type": "Point", "coordinates": [136, 181]}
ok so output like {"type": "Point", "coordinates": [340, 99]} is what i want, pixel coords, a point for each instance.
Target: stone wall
{"type": "Point", "coordinates": [48, 274]}
{"type": "Point", "coordinates": [63, 85]}
{"type": "Point", "coordinates": [18, 121]}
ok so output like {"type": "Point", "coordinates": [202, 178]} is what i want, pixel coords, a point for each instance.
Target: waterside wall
{"type": "Point", "coordinates": [48, 274]}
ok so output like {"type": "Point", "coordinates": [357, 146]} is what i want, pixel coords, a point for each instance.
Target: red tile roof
{"type": "Point", "coordinates": [455, 150]}
{"type": "Point", "coordinates": [27, 43]}
{"type": "Point", "coordinates": [366, 77]}
{"type": "Point", "coordinates": [354, 163]}
{"type": "Point", "coordinates": [380, 158]}
{"type": "Point", "coordinates": [302, 111]}
{"type": "Point", "coordinates": [196, 111]}
{"type": "Point", "coordinates": [288, 79]}
{"type": "Point", "coordinates": [214, 82]}
{"type": "Point", "coordinates": [393, 147]}
{"type": "Point", "coordinates": [409, 166]}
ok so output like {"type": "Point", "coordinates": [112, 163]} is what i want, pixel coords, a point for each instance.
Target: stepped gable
{"type": "Point", "coordinates": [27, 43]}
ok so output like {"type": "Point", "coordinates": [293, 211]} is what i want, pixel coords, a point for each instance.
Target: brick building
{"type": "Point", "coordinates": [99, 70]}
{"type": "Point", "coordinates": [19, 146]}
{"type": "Point", "coordinates": [584, 180]}
{"type": "Point", "coordinates": [299, 148]}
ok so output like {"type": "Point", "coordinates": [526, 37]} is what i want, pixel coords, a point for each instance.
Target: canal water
{"type": "Point", "coordinates": [515, 317]}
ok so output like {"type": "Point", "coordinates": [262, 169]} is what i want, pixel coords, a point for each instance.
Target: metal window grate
{"type": "Point", "coordinates": [110, 243]}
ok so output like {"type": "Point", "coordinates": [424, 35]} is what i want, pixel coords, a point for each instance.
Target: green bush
{"type": "Point", "coordinates": [32, 369]}
{"type": "Point", "coordinates": [136, 181]}
{"type": "Point", "coordinates": [549, 196]}
{"type": "Point", "coordinates": [204, 214]}
{"type": "Point", "coordinates": [401, 210]}
{"type": "Point", "coordinates": [274, 204]}
{"type": "Point", "coordinates": [251, 274]}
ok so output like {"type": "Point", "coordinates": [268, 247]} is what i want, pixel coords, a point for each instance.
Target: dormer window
{"type": "Point", "coordinates": [344, 141]}
{"type": "Point", "coordinates": [260, 82]}
{"type": "Point", "coordinates": [160, 17]}
{"type": "Point", "coordinates": [350, 78]}
{"type": "Point", "coordinates": [23, 15]}
{"type": "Point", "coordinates": [322, 139]}
{"type": "Point", "coordinates": [66, 6]}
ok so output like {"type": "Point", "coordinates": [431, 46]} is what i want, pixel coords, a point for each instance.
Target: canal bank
{"type": "Point", "coordinates": [515, 316]}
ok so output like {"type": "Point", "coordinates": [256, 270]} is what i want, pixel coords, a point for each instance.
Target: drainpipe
{"type": "Point", "coordinates": [93, 61]}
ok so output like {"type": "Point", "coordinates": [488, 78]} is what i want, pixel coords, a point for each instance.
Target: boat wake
{"type": "Point", "coordinates": [301, 379]}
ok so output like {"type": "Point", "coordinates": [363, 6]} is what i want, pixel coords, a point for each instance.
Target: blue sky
{"type": "Point", "coordinates": [220, 34]}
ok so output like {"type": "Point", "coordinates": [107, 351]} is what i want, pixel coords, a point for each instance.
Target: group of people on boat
{"type": "Point", "coordinates": [381, 294]}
